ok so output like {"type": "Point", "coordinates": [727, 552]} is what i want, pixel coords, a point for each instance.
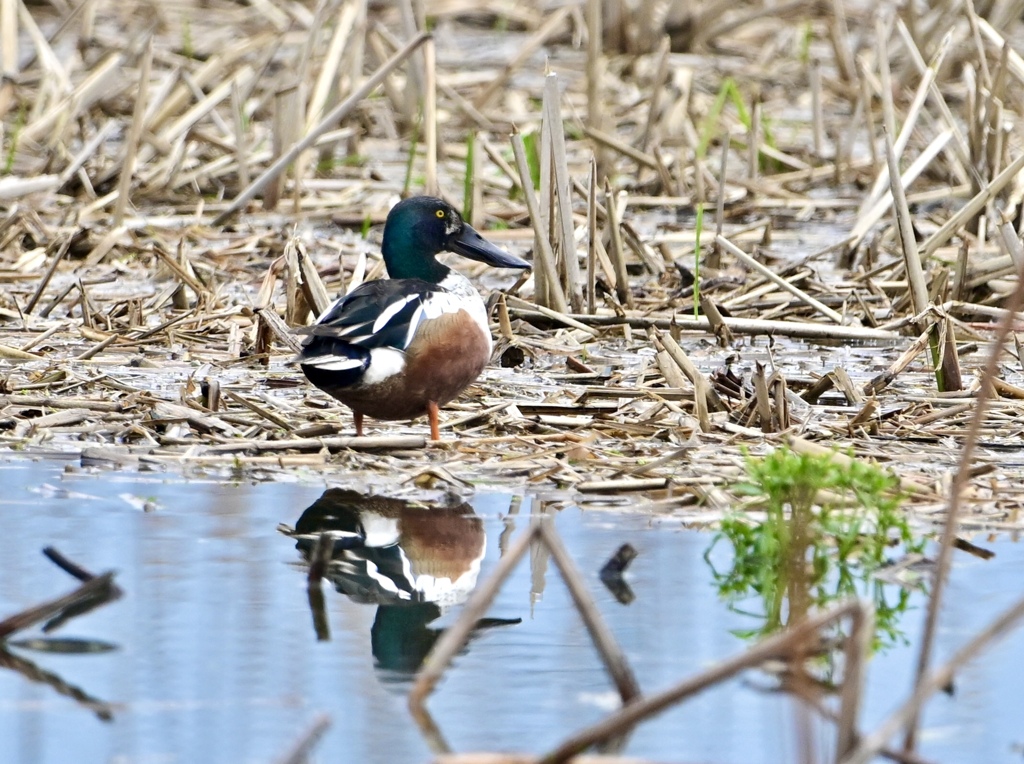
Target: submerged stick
{"type": "Point", "coordinates": [453, 638]}
{"type": "Point", "coordinates": [301, 748]}
{"type": "Point", "coordinates": [98, 589]}
{"type": "Point", "coordinates": [926, 686]}
{"type": "Point", "coordinates": [611, 654]}
{"type": "Point", "coordinates": [780, 646]}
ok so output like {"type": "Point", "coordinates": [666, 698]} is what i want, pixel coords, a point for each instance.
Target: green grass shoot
{"type": "Point", "coordinates": [698, 226]}
{"type": "Point", "coordinates": [12, 141]}
{"type": "Point", "coordinates": [531, 142]}
{"type": "Point", "coordinates": [727, 93]}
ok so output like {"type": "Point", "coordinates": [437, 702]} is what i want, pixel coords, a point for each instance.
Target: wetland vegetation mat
{"type": "Point", "coordinates": [751, 226]}
{"type": "Point", "coordinates": [718, 263]}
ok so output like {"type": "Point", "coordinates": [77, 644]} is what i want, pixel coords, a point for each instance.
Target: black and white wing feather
{"type": "Point", "coordinates": [375, 322]}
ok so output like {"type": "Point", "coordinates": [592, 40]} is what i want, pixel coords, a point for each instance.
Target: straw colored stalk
{"type": "Point", "coordinates": [595, 68]}
{"type": "Point", "coordinates": [704, 397]}
{"type": "Point", "coordinates": [9, 52]}
{"type": "Point", "coordinates": [592, 238]}
{"type": "Point", "coordinates": [972, 208]}
{"type": "Point", "coordinates": [430, 184]}
{"type": "Point", "coordinates": [956, 491]}
{"type": "Point", "coordinates": [563, 193]}
{"type": "Point", "coordinates": [617, 250]}
{"type": "Point", "coordinates": [963, 167]}
{"type": "Point", "coordinates": [544, 252]}
{"type": "Point", "coordinates": [134, 134]}
{"type": "Point", "coordinates": [910, 120]}
{"type": "Point", "coordinates": [750, 262]}
{"type": "Point", "coordinates": [336, 115]}
{"type": "Point", "coordinates": [553, 23]}
{"type": "Point", "coordinates": [867, 219]}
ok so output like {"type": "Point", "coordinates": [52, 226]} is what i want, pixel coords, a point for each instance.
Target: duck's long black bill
{"type": "Point", "coordinates": [469, 243]}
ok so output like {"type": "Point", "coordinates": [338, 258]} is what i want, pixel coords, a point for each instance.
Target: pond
{"type": "Point", "coordinates": [216, 655]}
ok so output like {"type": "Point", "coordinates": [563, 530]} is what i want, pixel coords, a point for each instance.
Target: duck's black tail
{"type": "Point", "coordinates": [331, 363]}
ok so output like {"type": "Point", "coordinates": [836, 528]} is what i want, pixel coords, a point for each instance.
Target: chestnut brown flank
{"type": "Point", "coordinates": [448, 353]}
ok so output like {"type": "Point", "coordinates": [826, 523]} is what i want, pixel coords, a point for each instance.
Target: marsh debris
{"type": "Point", "coordinates": [151, 292]}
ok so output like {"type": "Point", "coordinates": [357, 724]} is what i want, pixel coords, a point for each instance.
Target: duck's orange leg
{"type": "Point", "coordinates": [358, 419]}
{"type": "Point", "coordinates": [435, 432]}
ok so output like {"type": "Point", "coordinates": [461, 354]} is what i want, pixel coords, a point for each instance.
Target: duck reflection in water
{"type": "Point", "coordinates": [415, 561]}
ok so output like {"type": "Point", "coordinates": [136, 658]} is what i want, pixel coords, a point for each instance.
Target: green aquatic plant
{"type": "Point", "coordinates": [531, 147]}
{"type": "Point", "coordinates": [709, 127]}
{"type": "Point", "coordinates": [531, 142]}
{"type": "Point", "coordinates": [698, 227]}
{"type": "Point", "coordinates": [830, 522]}
{"type": "Point", "coordinates": [11, 151]}
{"type": "Point", "coordinates": [804, 41]}
{"type": "Point", "coordinates": [188, 48]}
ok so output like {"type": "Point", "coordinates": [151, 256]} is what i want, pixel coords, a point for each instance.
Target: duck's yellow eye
{"type": "Point", "coordinates": [439, 213]}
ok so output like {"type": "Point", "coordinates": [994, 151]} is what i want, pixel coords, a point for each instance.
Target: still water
{"type": "Point", "coordinates": [217, 657]}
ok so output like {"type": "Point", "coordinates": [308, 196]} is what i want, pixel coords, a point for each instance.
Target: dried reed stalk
{"type": "Point", "coordinates": [573, 286]}
{"type": "Point", "coordinates": [956, 491]}
{"type": "Point", "coordinates": [546, 255]}
{"type": "Point", "coordinates": [335, 116]}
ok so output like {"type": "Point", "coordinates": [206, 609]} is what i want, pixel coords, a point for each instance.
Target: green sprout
{"type": "Point", "coordinates": [531, 142]}
{"type": "Point", "coordinates": [12, 146]}
{"type": "Point", "coordinates": [830, 524]}
{"type": "Point", "coordinates": [187, 45]}
{"type": "Point", "coordinates": [698, 227]}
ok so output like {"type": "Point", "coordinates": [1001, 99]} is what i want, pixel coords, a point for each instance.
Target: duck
{"type": "Point", "coordinates": [402, 347]}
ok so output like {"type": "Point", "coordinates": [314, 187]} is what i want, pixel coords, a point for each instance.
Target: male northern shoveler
{"type": "Point", "coordinates": [402, 347]}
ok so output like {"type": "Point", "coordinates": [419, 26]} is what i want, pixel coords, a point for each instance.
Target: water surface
{"type": "Point", "coordinates": [218, 659]}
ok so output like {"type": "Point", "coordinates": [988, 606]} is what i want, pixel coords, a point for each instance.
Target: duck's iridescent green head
{"type": "Point", "coordinates": [417, 229]}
